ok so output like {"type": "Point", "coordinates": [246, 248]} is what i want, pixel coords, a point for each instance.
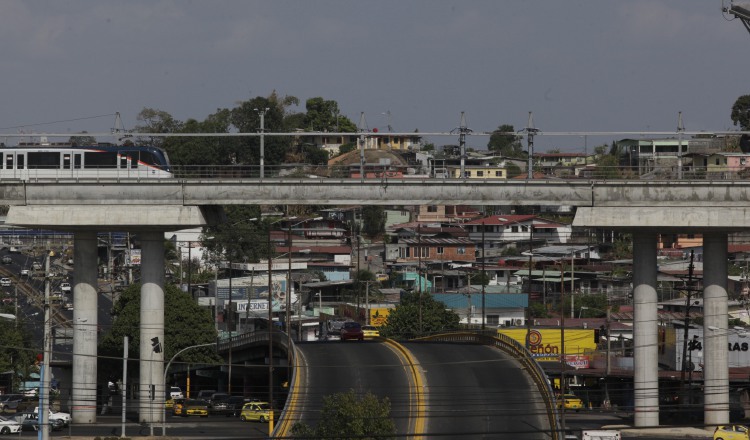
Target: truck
{"type": "Point", "coordinates": [601, 434]}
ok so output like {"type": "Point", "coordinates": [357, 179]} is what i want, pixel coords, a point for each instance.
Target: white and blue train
{"type": "Point", "coordinates": [30, 162]}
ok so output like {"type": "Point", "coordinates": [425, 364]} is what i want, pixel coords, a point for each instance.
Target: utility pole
{"type": "Point", "coordinates": [686, 331]}
{"type": "Point", "coordinates": [484, 280]}
{"type": "Point", "coordinates": [530, 133]}
{"type": "Point", "coordinates": [262, 114]}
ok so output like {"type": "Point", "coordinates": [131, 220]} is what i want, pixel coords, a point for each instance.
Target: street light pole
{"type": "Point", "coordinates": [262, 114]}
{"type": "Point", "coordinates": [164, 415]}
{"type": "Point", "coordinates": [270, 335]}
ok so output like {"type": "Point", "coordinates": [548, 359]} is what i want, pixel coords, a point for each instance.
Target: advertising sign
{"type": "Point", "coordinates": [378, 316]}
{"type": "Point", "coordinates": [546, 344]}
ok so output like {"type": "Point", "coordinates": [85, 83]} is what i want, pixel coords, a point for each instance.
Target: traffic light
{"type": "Point", "coordinates": [156, 345]}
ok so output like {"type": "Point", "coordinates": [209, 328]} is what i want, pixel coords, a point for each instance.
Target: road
{"type": "Point", "coordinates": [478, 392]}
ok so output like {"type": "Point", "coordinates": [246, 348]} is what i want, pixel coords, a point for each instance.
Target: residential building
{"type": "Point", "coordinates": [497, 230]}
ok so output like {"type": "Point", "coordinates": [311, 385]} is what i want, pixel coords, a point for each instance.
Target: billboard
{"type": "Point", "coordinates": [546, 344]}
{"type": "Point", "coordinates": [378, 316]}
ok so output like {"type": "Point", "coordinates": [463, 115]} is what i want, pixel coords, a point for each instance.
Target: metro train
{"type": "Point", "coordinates": [30, 162]}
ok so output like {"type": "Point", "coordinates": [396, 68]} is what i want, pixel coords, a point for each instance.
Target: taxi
{"type": "Point", "coordinates": [731, 432]}
{"type": "Point", "coordinates": [178, 406]}
{"type": "Point", "coordinates": [194, 407]}
{"type": "Point", "coordinates": [571, 401]}
{"type": "Point", "coordinates": [370, 331]}
{"type": "Point", "coordinates": [256, 411]}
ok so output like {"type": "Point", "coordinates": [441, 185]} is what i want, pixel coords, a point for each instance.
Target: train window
{"type": "Point", "coordinates": [44, 159]}
{"type": "Point", "coordinates": [9, 161]}
{"type": "Point", "coordinates": [100, 159]}
{"type": "Point", "coordinates": [20, 162]}
{"type": "Point", "coordinates": [66, 161]}
{"type": "Point", "coordinates": [77, 161]}
{"type": "Point", "coordinates": [123, 162]}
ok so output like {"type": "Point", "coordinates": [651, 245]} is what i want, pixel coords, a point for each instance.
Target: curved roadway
{"type": "Point", "coordinates": [331, 367]}
{"type": "Point", "coordinates": [478, 392]}
{"type": "Point", "coordinates": [470, 391]}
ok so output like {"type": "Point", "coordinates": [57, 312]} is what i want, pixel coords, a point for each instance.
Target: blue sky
{"type": "Point", "coordinates": [579, 65]}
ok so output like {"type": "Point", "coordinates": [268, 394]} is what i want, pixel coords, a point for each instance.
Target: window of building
{"type": "Point", "coordinates": [440, 250]}
{"type": "Point", "coordinates": [499, 173]}
{"type": "Point", "coordinates": [424, 252]}
{"type": "Point", "coordinates": [432, 208]}
{"type": "Point", "coordinates": [480, 173]}
{"type": "Point", "coordinates": [493, 319]}
{"type": "Point", "coordinates": [461, 250]}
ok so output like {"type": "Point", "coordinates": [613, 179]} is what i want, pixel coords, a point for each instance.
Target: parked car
{"type": "Point", "coordinates": [7, 260]}
{"type": "Point", "coordinates": [24, 272]}
{"type": "Point", "coordinates": [62, 416]}
{"type": "Point", "coordinates": [30, 421]}
{"type": "Point", "coordinates": [65, 288]}
{"type": "Point", "coordinates": [234, 405]}
{"type": "Point", "coordinates": [194, 407]}
{"type": "Point", "coordinates": [218, 403]}
{"type": "Point", "coordinates": [5, 282]}
{"type": "Point", "coordinates": [352, 330]}
{"type": "Point", "coordinates": [9, 402]}
{"type": "Point", "coordinates": [257, 411]}
{"type": "Point", "coordinates": [9, 426]}
{"type": "Point", "coordinates": [205, 394]}
{"type": "Point", "coordinates": [36, 265]}
{"type": "Point", "coordinates": [731, 432]}
{"type": "Point", "coordinates": [370, 331]}
{"type": "Point", "coordinates": [175, 393]}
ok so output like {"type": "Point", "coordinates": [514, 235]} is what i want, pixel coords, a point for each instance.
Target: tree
{"type": "Point", "coordinates": [607, 167]}
{"type": "Point", "coordinates": [741, 112]}
{"type": "Point", "coordinates": [238, 239]}
{"type": "Point", "coordinates": [508, 145]}
{"type": "Point", "coordinates": [17, 350]}
{"type": "Point", "coordinates": [374, 220]}
{"type": "Point", "coordinates": [349, 416]}
{"type": "Point", "coordinates": [324, 115]}
{"type": "Point", "coordinates": [403, 321]}
{"type": "Point", "coordinates": [186, 324]}
{"type": "Point", "coordinates": [156, 121]}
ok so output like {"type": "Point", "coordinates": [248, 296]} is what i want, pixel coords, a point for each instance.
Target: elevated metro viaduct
{"type": "Point", "coordinates": [151, 207]}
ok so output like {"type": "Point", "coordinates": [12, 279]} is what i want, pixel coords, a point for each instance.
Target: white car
{"type": "Point", "coordinates": [8, 426]}
{"type": "Point", "coordinates": [65, 287]}
{"type": "Point", "coordinates": [5, 282]}
{"type": "Point", "coordinates": [24, 272]}
{"type": "Point", "coordinates": [53, 416]}
{"type": "Point", "coordinates": [175, 393]}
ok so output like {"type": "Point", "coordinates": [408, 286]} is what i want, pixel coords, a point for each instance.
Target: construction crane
{"type": "Point", "coordinates": [739, 10]}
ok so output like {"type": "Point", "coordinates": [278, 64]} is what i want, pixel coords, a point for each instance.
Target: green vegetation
{"type": "Point", "coordinates": [404, 320]}
{"type": "Point", "coordinates": [186, 324]}
{"type": "Point", "coordinates": [348, 416]}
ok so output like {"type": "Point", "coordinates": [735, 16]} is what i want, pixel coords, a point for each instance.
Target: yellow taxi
{"type": "Point", "coordinates": [169, 403]}
{"type": "Point", "coordinates": [177, 406]}
{"type": "Point", "coordinates": [257, 411]}
{"type": "Point", "coordinates": [370, 331]}
{"type": "Point", "coordinates": [194, 407]}
{"type": "Point", "coordinates": [731, 432]}
{"type": "Point", "coordinates": [571, 401]}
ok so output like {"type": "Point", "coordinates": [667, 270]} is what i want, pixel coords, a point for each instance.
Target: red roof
{"type": "Point", "coordinates": [502, 220]}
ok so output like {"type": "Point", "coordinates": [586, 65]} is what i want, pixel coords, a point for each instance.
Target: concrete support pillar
{"type": "Point", "coordinates": [152, 326]}
{"type": "Point", "coordinates": [715, 328]}
{"type": "Point", "coordinates": [645, 330]}
{"type": "Point", "coordinates": [85, 324]}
